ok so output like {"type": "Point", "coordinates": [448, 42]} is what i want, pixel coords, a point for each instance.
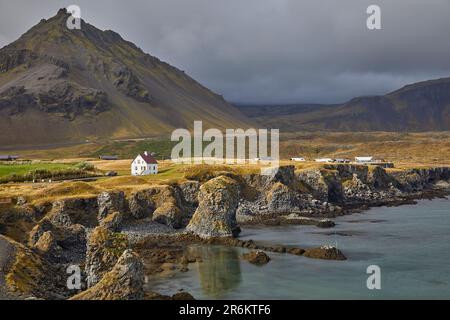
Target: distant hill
{"type": "Point", "coordinates": [423, 106]}
{"type": "Point", "coordinates": [59, 85]}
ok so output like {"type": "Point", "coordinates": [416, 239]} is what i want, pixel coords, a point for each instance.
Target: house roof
{"type": "Point", "coordinates": [148, 158]}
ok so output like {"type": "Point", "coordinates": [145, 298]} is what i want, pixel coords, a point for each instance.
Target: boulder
{"type": "Point", "coordinates": [48, 246]}
{"type": "Point", "coordinates": [125, 281]}
{"type": "Point", "coordinates": [325, 223]}
{"type": "Point", "coordinates": [325, 253]}
{"type": "Point", "coordinates": [216, 212]}
{"type": "Point", "coordinates": [170, 215]}
{"type": "Point", "coordinates": [182, 296]}
{"type": "Point", "coordinates": [257, 257]}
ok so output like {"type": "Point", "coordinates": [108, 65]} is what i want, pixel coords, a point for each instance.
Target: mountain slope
{"type": "Point", "coordinates": [61, 85]}
{"type": "Point", "coordinates": [423, 106]}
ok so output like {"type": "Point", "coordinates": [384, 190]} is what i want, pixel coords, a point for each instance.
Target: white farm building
{"type": "Point", "coordinates": [144, 164]}
{"type": "Point", "coordinates": [363, 159]}
{"type": "Point", "coordinates": [324, 160]}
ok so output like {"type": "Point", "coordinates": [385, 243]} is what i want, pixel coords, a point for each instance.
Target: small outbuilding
{"type": "Point", "coordinates": [342, 160]}
{"type": "Point", "coordinates": [110, 158]}
{"type": "Point", "coordinates": [363, 159]}
{"type": "Point", "coordinates": [324, 160]}
{"type": "Point", "coordinates": [8, 157]}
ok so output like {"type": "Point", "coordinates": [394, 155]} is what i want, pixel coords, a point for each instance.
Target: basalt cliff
{"type": "Point", "coordinates": [105, 234]}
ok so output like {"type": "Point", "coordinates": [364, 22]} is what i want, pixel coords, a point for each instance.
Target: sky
{"type": "Point", "coordinates": [272, 51]}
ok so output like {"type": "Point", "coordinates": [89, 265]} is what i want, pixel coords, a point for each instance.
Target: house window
{"type": "Point", "coordinates": [135, 168]}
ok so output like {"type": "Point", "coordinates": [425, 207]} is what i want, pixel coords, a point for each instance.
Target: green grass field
{"type": "Point", "coordinates": [23, 169]}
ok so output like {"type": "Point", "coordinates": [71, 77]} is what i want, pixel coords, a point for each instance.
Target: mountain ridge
{"type": "Point", "coordinates": [418, 107]}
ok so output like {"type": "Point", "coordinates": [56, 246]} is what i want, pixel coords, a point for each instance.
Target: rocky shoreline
{"type": "Point", "coordinates": [118, 240]}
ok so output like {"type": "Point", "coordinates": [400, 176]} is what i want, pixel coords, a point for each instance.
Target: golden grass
{"type": "Point", "coordinates": [67, 189]}
{"type": "Point", "coordinates": [406, 150]}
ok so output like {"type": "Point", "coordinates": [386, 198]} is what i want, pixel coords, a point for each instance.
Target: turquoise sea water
{"type": "Point", "coordinates": [411, 245]}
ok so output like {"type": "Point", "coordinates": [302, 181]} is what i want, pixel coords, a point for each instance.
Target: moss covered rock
{"type": "Point", "coordinates": [125, 281]}
{"type": "Point", "coordinates": [104, 248]}
{"type": "Point", "coordinates": [257, 257]}
{"type": "Point", "coordinates": [25, 274]}
{"type": "Point", "coordinates": [170, 215]}
{"type": "Point", "coordinates": [216, 212]}
{"type": "Point", "coordinates": [325, 253]}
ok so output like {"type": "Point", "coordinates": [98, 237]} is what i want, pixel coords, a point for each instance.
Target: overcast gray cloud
{"type": "Point", "coordinates": [272, 51]}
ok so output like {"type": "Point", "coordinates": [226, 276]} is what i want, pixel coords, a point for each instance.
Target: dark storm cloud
{"type": "Point", "coordinates": [272, 51]}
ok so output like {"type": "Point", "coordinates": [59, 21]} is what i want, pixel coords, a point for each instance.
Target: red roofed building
{"type": "Point", "coordinates": [144, 164]}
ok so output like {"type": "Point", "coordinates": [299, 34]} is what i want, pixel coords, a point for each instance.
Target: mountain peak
{"type": "Point", "coordinates": [62, 12]}
{"type": "Point", "coordinates": [66, 85]}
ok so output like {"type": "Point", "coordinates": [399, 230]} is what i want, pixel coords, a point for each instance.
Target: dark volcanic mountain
{"type": "Point", "coordinates": [424, 106]}
{"type": "Point", "coordinates": [59, 85]}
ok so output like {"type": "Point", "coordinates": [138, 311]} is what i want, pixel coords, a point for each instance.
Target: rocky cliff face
{"type": "Point", "coordinates": [125, 281]}
{"type": "Point", "coordinates": [86, 231]}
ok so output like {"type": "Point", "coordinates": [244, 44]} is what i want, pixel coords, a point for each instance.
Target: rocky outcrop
{"type": "Point", "coordinates": [315, 183]}
{"type": "Point", "coordinates": [325, 253]}
{"type": "Point", "coordinates": [325, 223]}
{"type": "Point", "coordinates": [111, 209]}
{"type": "Point", "coordinates": [169, 214]}
{"type": "Point", "coordinates": [281, 199]}
{"type": "Point", "coordinates": [48, 247]}
{"type": "Point", "coordinates": [125, 281]}
{"type": "Point", "coordinates": [69, 212]}
{"type": "Point", "coordinates": [257, 257]}
{"type": "Point", "coordinates": [110, 202]}
{"type": "Point", "coordinates": [16, 221]}
{"type": "Point", "coordinates": [169, 205]}
{"type": "Point", "coordinates": [25, 274]}
{"type": "Point", "coordinates": [141, 204]}
{"type": "Point", "coordinates": [189, 191]}
{"type": "Point", "coordinates": [104, 248]}
{"type": "Point", "coordinates": [128, 83]}
{"type": "Point", "coordinates": [216, 212]}
{"type": "Point", "coordinates": [71, 240]}
{"type": "Point", "coordinates": [112, 221]}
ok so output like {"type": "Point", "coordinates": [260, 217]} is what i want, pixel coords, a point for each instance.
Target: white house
{"type": "Point", "coordinates": [363, 159]}
{"type": "Point", "coordinates": [326, 160]}
{"type": "Point", "coordinates": [298, 159]}
{"type": "Point", "coordinates": [144, 164]}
